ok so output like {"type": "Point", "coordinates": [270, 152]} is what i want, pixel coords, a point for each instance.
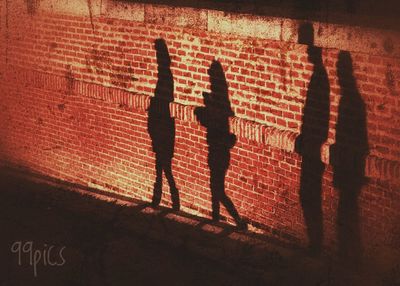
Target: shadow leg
{"type": "Point", "coordinates": [216, 186]}
{"type": "Point", "coordinates": [228, 204]}
{"type": "Point", "coordinates": [172, 186]}
{"type": "Point", "coordinates": [348, 225]}
{"type": "Point", "coordinates": [310, 198]}
{"type": "Point", "coordinates": [158, 184]}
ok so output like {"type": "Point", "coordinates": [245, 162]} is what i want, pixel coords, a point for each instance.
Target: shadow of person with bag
{"type": "Point", "coordinates": [215, 117]}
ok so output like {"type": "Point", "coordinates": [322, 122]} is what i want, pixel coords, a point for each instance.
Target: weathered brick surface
{"type": "Point", "coordinates": [75, 91]}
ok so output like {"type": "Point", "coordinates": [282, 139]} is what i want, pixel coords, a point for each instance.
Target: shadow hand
{"type": "Point", "coordinates": [298, 144]}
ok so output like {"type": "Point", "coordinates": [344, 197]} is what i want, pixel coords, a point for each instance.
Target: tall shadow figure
{"type": "Point", "coordinates": [314, 132]}
{"type": "Point", "coordinates": [161, 126]}
{"type": "Point", "coordinates": [348, 156]}
{"type": "Point", "coordinates": [215, 117]}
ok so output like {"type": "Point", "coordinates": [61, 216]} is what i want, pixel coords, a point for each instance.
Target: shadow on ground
{"type": "Point", "coordinates": [73, 238]}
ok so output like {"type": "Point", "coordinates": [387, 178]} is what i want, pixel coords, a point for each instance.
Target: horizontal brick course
{"type": "Point", "coordinates": [253, 131]}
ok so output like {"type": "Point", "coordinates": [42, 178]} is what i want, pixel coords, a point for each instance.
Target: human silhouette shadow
{"type": "Point", "coordinates": [348, 156]}
{"type": "Point", "coordinates": [314, 133]}
{"type": "Point", "coordinates": [215, 117]}
{"type": "Point", "coordinates": [161, 126]}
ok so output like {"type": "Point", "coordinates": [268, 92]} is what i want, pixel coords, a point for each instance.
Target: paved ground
{"type": "Point", "coordinates": [52, 236]}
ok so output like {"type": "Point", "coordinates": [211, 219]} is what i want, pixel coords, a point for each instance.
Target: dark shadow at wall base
{"type": "Point", "coordinates": [116, 243]}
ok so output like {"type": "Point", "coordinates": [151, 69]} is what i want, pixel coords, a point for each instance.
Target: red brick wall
{"type": "Point", "coordinates": [75, 92]}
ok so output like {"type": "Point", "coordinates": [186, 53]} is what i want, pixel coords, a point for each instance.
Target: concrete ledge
{"type": "Point", "coordinates": [90, 8]}
{"type": "Point", "coordinates": [172, 16]}
{"type": "Point", "coordinates": [245, 25]}
{"type": "Point", "coordinates": [260, 133]}
{"type": "Point", "coordinates": [125, 11]}
{"type": "Point", "coordinates": [326, 35]}
{"type": "Point", "coordinates": [331, 36]}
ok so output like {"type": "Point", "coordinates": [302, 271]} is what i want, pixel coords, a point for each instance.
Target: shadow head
{"type": "Point", "coordinates": [344, 67]}
{"type": "Point", "coordinates": [306, 37]}
{"type": "Point", "coordinates": [162, 54]}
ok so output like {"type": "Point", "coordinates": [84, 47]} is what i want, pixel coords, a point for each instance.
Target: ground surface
{"type": "Point", "coordinates": [105, 243]}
